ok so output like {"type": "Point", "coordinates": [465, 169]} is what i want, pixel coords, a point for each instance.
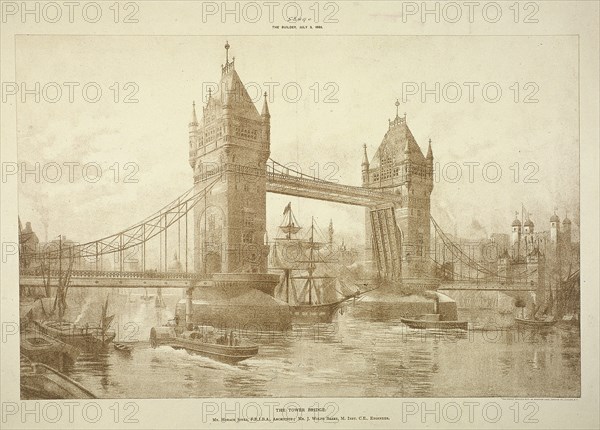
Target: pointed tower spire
{"type": "Point", "coordinates": [193, 136]}
{"type": "Point", "coordinates": [265, 109]}
{"type": "Point", "coordinates": [228, 66]}
{"type": "Point", "coordinates": [365, 165]}
{"type": "Point", "coordinates": [398, 120]}
{"type": "Point", "coordinates": [429, 151]}
{"type": "Point", "coordinates": [365, 161]}
{"type": "Point", "coordinates": [567, 230]}
{"type": "Point", "coordinates": [194, 120]}
{"type": "Point", "coordinates": [266, 121]}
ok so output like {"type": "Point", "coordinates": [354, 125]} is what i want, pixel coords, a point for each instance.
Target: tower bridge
{"type": "Point", "coordinates": [229, 153]}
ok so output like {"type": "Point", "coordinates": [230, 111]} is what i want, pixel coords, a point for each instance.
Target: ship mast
{"type": "Point", "coordinates": [59, 288]}
{"type": "Point", "coordinates": [289, 227]}
{"type": "Point", "coordinates": [311, 260]}
{"type": "Point", "coordinates": [310, 278]}
{"type": "Point", "coordinates": [310, 287]}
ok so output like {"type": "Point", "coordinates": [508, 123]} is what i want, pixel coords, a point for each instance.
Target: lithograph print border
{"type": "Point", "coordinates": [586, 305]}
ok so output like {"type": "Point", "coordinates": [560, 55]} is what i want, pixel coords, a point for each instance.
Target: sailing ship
{"type": "Point", "coordinates": [566, 277]}
{"type": "Point", "coordinates": [313, 296]}
{"type": "Point", "coordinates": [562, 303]}
{"type": "Point", "coordinates": [130, 298]}
{"type": "Point", "coordinates": [146, 298]}
{"type": "Point", "coordinates": [538, 321]}
{"type": "Point", "coordinates": [568, 299]}
{"type": "Point", "coordinates": [158, 301]}
{"type": "Point", "coordinates": [565, 307]}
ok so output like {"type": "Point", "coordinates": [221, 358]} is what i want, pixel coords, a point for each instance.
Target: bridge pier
{"type": "Point", "coordinates": [188, 308]}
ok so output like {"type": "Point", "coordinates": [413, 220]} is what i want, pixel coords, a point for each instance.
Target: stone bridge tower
{"type": "Point", "coordinates": [228, 148]}
{"type": "Point", "coordinates": [400, 166]}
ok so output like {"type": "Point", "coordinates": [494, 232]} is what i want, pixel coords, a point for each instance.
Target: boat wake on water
{"type": "Point", "coordinates": [183, 357]}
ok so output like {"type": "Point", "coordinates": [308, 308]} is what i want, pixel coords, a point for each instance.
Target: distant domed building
{"type": "Point", "coordinates": [175, 265]}
{"type": "Point", "coordinates": [539, 258]}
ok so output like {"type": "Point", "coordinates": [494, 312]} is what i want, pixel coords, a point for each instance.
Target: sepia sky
{"type": "Point", "coordinates": [368, 74]}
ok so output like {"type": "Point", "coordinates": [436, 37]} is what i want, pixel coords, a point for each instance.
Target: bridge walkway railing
{"type": "Point", "coordinates": [113, 274]}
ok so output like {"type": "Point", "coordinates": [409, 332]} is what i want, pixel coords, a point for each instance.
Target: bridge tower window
{"type": "Point", "coordinates": [248, 219]}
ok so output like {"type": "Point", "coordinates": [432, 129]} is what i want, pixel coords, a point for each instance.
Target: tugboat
{"type": "Point", "coordinates": [320, 296]}
{"type": "Point", "coordinates": [437, 320]}
{"type": "Point", "coordinates": [227, 347]}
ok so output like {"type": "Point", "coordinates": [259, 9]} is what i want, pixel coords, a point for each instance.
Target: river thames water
{"type": "Point", "coordinates": [362, 354]}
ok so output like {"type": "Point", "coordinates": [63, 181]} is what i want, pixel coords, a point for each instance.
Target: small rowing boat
{"type": "Point", "coordinates": [546, 323]}
{"type": "Point", "coordinates": [40, 347]}
{"type": "Point", "coordinates": [123, 347]}
{"type": "Point", "coordinates": [39, 381]}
